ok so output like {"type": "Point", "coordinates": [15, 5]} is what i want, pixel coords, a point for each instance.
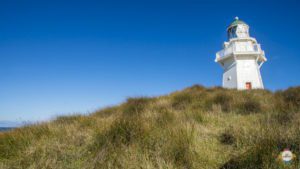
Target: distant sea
{"type": "Point", "coordinates": [5, 129]}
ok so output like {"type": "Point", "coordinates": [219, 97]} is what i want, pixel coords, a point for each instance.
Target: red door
{"type": "Point", "coordinates": [248, 85]}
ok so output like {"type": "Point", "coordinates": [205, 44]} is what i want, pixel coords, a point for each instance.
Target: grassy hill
{"type": "Point", "coordinates": [194, 128]}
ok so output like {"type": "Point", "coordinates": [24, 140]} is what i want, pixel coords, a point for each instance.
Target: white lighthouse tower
{"type": "Point", "coordinates": [241, 58]}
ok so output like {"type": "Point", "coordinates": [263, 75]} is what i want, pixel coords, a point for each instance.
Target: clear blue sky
{"type": "Point", "coordinates": [62, 57]}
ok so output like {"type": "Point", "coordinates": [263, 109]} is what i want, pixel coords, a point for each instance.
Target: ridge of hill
{"type": "Point", "coordinates": [2, 129]}
{"type": "Point", "coordinates": [194, 128]}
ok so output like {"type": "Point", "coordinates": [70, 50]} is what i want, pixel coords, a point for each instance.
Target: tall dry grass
{"type": "Point", "coordinates": [197, 127]}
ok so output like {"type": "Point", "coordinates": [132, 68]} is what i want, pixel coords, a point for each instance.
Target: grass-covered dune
{"type": "Point", "coordinates": [197, 127]}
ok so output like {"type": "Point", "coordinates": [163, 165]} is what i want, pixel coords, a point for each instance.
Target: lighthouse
{"type": "Point", "coordinates": [241, 58]}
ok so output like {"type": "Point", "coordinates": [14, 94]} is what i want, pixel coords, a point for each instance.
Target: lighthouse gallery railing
{"type": "Point", "coordinates": [234, 49]}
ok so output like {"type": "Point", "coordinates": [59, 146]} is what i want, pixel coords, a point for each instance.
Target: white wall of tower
{"type": "Point", "coordinates": [230, 74]}
{"type": "Point", "coordinates": [248, 71]}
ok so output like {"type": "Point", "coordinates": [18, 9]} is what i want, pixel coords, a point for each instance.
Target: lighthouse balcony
{"type": "Point", "coordinates": [234, 49]}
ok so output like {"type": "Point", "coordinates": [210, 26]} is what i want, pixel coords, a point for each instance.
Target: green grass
{"type": "Point", "coordinates": [201, 128]}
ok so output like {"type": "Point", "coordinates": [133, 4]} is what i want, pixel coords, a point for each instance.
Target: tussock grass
{"type": "Point", "coordinates": [197, 127]}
